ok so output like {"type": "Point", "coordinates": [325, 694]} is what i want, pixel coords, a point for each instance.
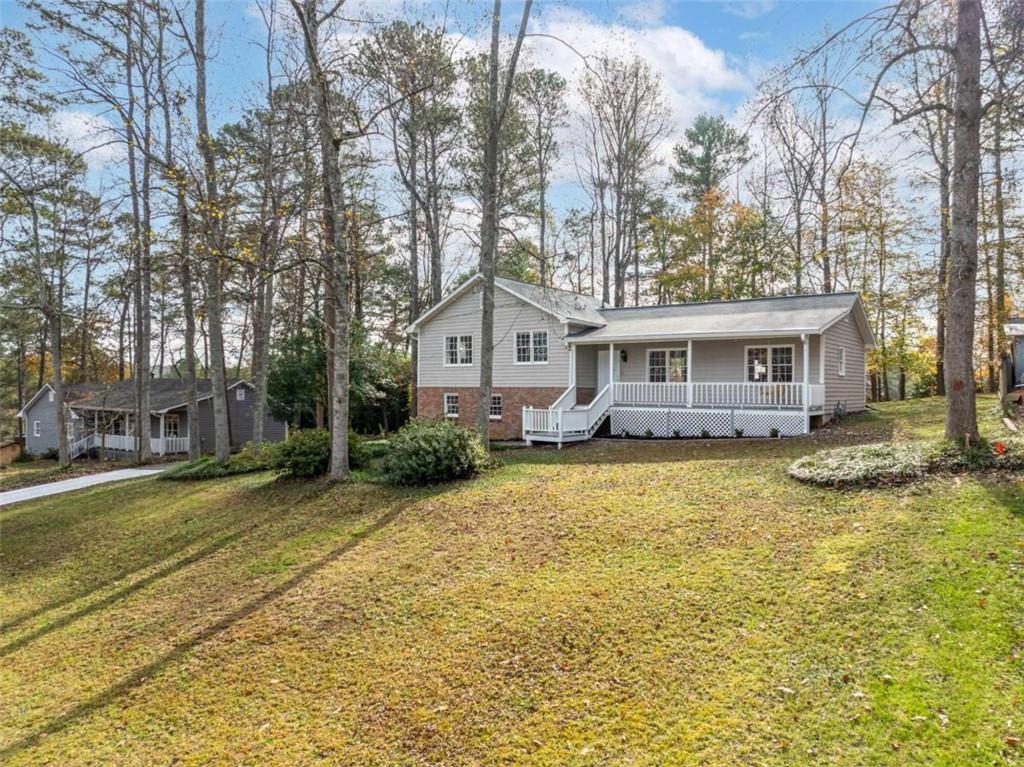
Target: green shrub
{"type": "Point", "coordinates": [739, 432]}
{"type": "Point", "coordinates": [883, 463]}
{"type": "Point", "coordinates": [705, 434]}
{"type": "Point", "coordinates": [649, 434]}
{"type": "Point", "coordinates": [358, 452]}
{"type": "Point", "coordinates": [23, 457]}
{"type": "Point", "coordinates": [427, 452]}
{"type": "Point", "coordinates": [306, 453]}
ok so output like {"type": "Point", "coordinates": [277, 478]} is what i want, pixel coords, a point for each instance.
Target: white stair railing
{"type": "Point", "coordinates": [552, 422]}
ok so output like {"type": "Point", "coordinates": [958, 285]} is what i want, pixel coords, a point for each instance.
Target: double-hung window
{"type": "Point", "coordinates": [35, 428]}
{"type": "Point", "coordinates": [458, 350]}
{"type": "Point", "coordinates": [841, 368]}
{"type": "Point", "coordinates": [451, 405]}
{"type": "Point", "coordinates": [171, 425]}
{"type": "Point", "coordinates": [240, 393]}
{"type": "Point", "coordinates": [770, 364]}
{"type": "Point", "coordinates": [666, 366]}
{"type": "Point", "coordinates": [531, 347]}
{"type": "Point", "coordinates": [495, 407]}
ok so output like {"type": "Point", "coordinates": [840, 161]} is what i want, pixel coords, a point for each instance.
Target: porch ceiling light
{"type": "Point", "coordinates": [623, 356]}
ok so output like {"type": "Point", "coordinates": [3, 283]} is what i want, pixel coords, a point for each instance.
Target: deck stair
{"type": "Point", "coordinates": [566, 420]}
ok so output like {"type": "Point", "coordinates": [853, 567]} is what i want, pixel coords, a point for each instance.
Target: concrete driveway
{"type": "Point", "coordinates": [77, 483]}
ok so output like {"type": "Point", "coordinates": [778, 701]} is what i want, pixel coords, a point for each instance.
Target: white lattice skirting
{"type": "Point", "coordinates": [637, 421]}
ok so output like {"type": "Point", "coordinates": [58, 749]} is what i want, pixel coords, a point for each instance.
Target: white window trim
{"type": "Point", "coordinates": [668, 351]}
{"type": "Point", "coordinates": [174, 418]}
{"type": "Point", "coordinates": [515, 347]}
{"type": "Point", "coordinates": [841, 367]}
{"type": "Point", "coordinates": [240, 394]}
{"type": "Point", "coordinates": [35, 429]}
{"type": "Point", "coordinates": [49, 397]}
{"type": "Point", "coordinates": [444, 350]}
{"type": "Point", "coordinates": [501, 407]}
{"type": "Point", "coordinates": [770, 348]}
{"type": "Point", "coordinates": [444, 404]}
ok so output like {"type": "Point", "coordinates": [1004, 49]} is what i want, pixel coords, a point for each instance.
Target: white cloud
{"type": "Point", "coordinates": [754, 35]}
{"type": "Point", "coordinates": [90, 135]}
{"type": "Point", "coordinates": [749, 9]}
{"type": "Point", "coordinates": [644, 13]}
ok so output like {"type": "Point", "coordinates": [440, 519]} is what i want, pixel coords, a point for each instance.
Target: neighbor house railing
{"type": "Point", "coordinates": [737, 394]}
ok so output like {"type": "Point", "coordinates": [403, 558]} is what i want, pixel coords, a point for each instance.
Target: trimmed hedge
{"type": "Point", "coordinates": [887, 463]}
{"type": "Point", "coordinates": [306, 453]}
{"type": "Point", "coordinates": [427, 452]}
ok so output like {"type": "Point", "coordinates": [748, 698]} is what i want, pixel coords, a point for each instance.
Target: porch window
{"type": "Point", "coordinates": [531, 347]}
{"type": "Point", "coordinates": [458, 350]}
{"type": "Point", "coordinates": [451, 405]}
{"type": "Point", "coordinates": [667, 365]}
{"type": "Point", "coordinates": [495, 407]}
{"type": "Point", "coordinates": [171, 425]}
{"type": "Point", "coordinates": [770, 364]}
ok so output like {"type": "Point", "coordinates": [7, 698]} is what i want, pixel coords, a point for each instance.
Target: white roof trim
{"type": "Point", "coordinates": [414, 327]}
{"type": "Point", "coordinates": [671, 335]}
{"type": "Point", "coordinates": [23, 413]}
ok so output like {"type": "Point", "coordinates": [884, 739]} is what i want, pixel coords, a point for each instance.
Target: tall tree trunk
{"type": "Point", "coordinates": [944, 248]}
{"type": "Point", "coordinates": [999, 298]}
{"type": "Point", "coordinates": [961, 415]}
{"type": "Point", "coordinates": [414, 276]}
{"type": "Point", "coordinates": [338, 291]}
{"type": "Point", "coordinates": [211, 226]}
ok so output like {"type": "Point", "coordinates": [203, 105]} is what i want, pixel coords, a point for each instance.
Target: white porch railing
{"type": "Point", "coordinates": [567, 424]}
{"type": "Point", "coordinates": [127, 443]}
{"type": "Point", "coordinates": [739, 394]}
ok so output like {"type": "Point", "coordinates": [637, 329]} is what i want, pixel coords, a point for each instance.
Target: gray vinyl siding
{"type": "Point", "coordinates": [717, 361]}
{"type": "Point", "coordinates": [511, 315]}
{"type": "Point", "coordinates": [45, 412]}
{"type": "Point", "coordinates": [240, 421]}
{"type": "Point", "coordinates": [586, 367]}
{"type": "Point", "coordinates": [845, 334]}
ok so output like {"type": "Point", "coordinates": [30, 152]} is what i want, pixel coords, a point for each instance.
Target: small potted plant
{"type": "Point", "coordinates": [625, 434]}
{"type": "Point", "coordinates": [739, 432]}
{"type": "Point", "coordinates": [774, 432]}
{"type": "Point", "coordinates": [675, 433]}
{"type": "Point", "coordinates": [648, 434]}
{"type": "Point", "coordinates": [705, 434]}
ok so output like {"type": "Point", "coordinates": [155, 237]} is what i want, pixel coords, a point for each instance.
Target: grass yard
{"type": "Point", "coordinates": [613, 603]}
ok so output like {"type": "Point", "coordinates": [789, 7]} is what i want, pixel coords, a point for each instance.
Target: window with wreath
{"type": "Point", "coordinates": [495, 407]}
{"type": "Point", "coordinates": [451, 405]}
{"type": "Point", "coordinates": [458, 350]}
{"type": "Point", "coordinates": [531, 347]}
{"type": "Point", "coordinates": [666, 366]}
{"type": "Point", "coordinates": [770, 364]}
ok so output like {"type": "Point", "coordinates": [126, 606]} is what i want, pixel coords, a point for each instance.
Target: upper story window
{"type": "Point", "coordinates": [240, 394]}
{"type": "Point", "coordinates": [531, 347]}
{"type": "Point", "coordinates": [666, 366]}
{"type": "Point", "coordinates": [841, 368]}
{"type": "Point", "coordinates": [50, 396]}
{"type": "Point", "coordinates": [770, 364]}
{"type": "Point", "coordinates": [458, 350]}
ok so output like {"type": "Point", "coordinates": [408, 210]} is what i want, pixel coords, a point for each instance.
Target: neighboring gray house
{"type": "Point", "coordinates": [563, 363]}
{"type": "Point", "coordinates": [103, 416]}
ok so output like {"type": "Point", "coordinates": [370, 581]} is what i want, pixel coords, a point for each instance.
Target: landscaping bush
{"type": "Point", "coordinates": [359, 454]}
{"type": "Point", "coordinates": [306, 453]}
{"type": "Point", "coordinates": [23, 457]}
{"type": "Point", "coordinates": [883, 463]}
{"type": "Point", "coordinates": [426, 452]}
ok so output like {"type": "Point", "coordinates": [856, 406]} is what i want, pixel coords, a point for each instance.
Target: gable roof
{"type": "Point", "coordinates": [164, 394]}
{"type": "Point", "coordinates": [773, 316]}
{"type": "Point", "coordinates": [564, 305]}
{"type": "Point", "coordinates": [28, 405]}
{"type": "Point", "coordinates": [748, 317]}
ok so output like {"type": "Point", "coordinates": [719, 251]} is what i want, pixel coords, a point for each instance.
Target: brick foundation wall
{"type": "Point", "coordinates": [430, 404]}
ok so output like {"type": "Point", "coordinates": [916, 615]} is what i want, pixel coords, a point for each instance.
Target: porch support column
{"type": "Point", "coordinates": [161, 434]}
{"type": "Point", "coordinates": [573, 348]}
{"type": "Point", "coordinates": [689, 373]}
{"type": "Point", "coordinates": [807, 385]}
{"type": "Point", "coordinates": [611, 370]}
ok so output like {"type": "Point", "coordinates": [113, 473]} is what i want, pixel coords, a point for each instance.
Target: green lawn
{"type": "Point", "coordinates": [622, 603]}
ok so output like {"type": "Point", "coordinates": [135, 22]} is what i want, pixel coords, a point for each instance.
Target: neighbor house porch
{"type": "Point", "coordinates": [687, 387]}
{"type": "Point", "coordinates": [113, 431]}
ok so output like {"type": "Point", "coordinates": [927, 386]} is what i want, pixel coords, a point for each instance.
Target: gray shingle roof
{"type": "Point", "coordinates": [163, 393]}
{"type": "Point", "coordinates": [768, 316]}
{"type": "Point", "coordinates": [573, 306]}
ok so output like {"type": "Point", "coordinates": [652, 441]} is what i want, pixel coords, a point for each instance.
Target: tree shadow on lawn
{"type": "Point", "coordinates": [48, 545]}
{"type": "Point", "coordinates": [182, 648]}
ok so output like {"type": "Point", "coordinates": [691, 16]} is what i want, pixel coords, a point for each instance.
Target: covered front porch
{"type": "Point", "coordinates": [757, 386]}
{"type": "Point", "coordinates": [113, 431]}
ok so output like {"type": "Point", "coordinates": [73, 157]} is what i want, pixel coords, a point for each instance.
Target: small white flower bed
{"type": "Point", "coordinates": [879, 464]}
